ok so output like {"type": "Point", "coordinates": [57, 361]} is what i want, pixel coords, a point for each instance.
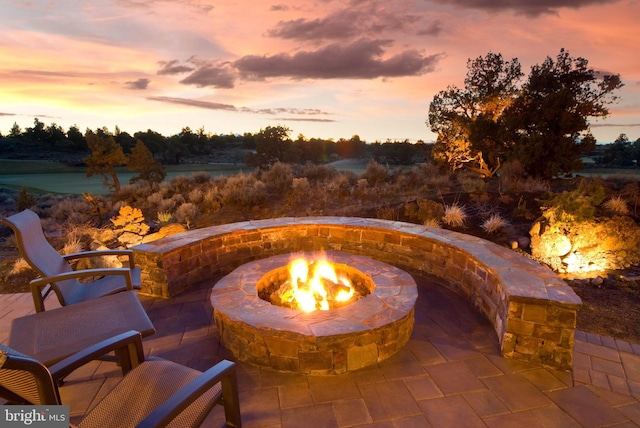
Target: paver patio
{"type": "Point", "coordinates": [450, 374]}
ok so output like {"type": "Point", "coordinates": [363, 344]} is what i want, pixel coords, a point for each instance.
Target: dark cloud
{"type": "Point", "coordinates": [216, 75]}
{"type": "Point", "coordinates": [139, 84]}
{"type": "Point", "coordinates": [279, 7]}
{"type": "Point", "coordinates": [433, 28]}
{"type": "Point", "coordinates": [361, 59]}
{"type": "Point", "coordinates": [7, 114]}
{"type": "Point", "coordinates": [368, 19]}
{"type": "Point", "coordinates": [526, 7]}
{"type": "Point", "coordinates": [614, 125]}
{"type": "Point", "coordinates": [173, 67]}
{"type": "Point", "coordinates": [194, 103]}
{"type": "Point", "coordinates": [309, 113]}
{"type": "Point", "coordinates": [304, 119]}
{"type": "Point", "coordinates": [335, 26]}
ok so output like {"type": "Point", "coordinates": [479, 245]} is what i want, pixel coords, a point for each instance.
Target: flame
{"type": "Point", "coordinates": [307, 288]}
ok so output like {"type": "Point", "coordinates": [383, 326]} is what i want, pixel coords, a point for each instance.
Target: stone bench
{"type": "Point", "coordinates": [532, 310]}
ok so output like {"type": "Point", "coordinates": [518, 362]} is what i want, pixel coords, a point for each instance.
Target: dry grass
{"type": "Point", "coordinates": [494, 223]}
{"type": "Point", "coordinates": [432, 222]}
{"type": "Point", "coordinates": [617, 205]}
{"type": "Point", "coordinates": [454, 215]}
{"type": "Point", "coordinates": [19, 266]}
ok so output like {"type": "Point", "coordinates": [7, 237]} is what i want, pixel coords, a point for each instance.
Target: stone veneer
{"type": "Point", "coordinates": [329, 342]}
{"type": "Point", "coordinates": [532, 310]}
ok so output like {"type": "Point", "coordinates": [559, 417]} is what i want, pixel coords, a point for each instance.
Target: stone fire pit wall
{"type": "Point", "coordinates": [532, 310]}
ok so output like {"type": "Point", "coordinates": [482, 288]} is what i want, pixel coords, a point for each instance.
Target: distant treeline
{"type": "Point", "coordinates": [43, 141]}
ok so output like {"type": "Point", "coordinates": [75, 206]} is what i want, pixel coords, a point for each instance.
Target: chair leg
{"type": "Point", "coordinates": [230, 400]}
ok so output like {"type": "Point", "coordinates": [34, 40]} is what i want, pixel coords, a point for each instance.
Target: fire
{"type": "Point", "coordinates": [315, 285]}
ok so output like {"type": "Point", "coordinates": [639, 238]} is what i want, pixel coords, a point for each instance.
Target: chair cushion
{"type": "Point", "coordinates": [55, 334]}
{"type": "Point", "coordinates": [145, 388]}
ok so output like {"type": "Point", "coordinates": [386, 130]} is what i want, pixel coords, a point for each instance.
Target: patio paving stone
{"type": "Point", "coordinates": [450, 374]}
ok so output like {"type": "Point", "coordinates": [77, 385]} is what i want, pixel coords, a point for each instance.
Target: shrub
{"type": "Point", "coordinates": [154, 199]}
{"type": "Point", "coordinates": [316, 173]}
{"type": "Point", "coordinates": [300, 185]}
{"type": "Point", "coordinates": [433, 175]}
{"type": "Point", "coordinates": [180, 184]}
{"type": "Point", "coordinates": [278, 177]}
{"type": "Point", "coordinates": [72, 211]}
{"type": "Point", "coordinates": [166, 205]}
{"type": "Point", "coordinates": [578, 205]}
{"type": "Point", "coordinates": [340, 185]}
{"type": "Point", "coordinates": [470, 183]}
{"type": "Point", "coordinates": [375, 173]}
{"type": "Point", "coordinates": [388, 213]}
{"type": "Point", "coordinates": [201, 177]}
{"type": "Point", "coordinates": [494, 223]}
{"type": "Point", "coordinates": [195, 196]}
{"type": "Point", "coordinates": [454, 215]}
{"type": "Point", "coordinates": [186, 213]}
{"type": "Point", "coordinates": [211, 200]}
{"type": "Point", "coordinates": [243, 190]}
{"type": "Point", "coordinates": [25, 200]}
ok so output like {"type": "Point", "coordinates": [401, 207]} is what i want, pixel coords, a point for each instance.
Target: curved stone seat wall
{"type": "Point", "coordinates": [532, 310]}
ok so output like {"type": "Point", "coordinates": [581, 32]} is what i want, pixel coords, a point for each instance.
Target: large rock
{"type": "Point", "coordinates": [170, 229]}
{"type": "Point", "coordinates": [594, 245]}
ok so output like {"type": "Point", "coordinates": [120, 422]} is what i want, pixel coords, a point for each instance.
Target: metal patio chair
{"type": "Point", "coordinates": [58, 275]}
{"type": "Point", "coordinates": [55, 334]}
{"type": "Point", "coordinates": [152, 393]}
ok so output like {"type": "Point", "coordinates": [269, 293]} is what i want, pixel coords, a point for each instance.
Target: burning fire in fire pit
{"type": "Point", "coordinates": [310, 285]}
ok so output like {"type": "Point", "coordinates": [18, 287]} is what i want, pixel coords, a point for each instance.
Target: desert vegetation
{"type": "Point", "coordinates": [487, 175]}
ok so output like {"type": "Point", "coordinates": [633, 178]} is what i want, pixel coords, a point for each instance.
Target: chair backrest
{"type": "Point", "coordinates": [24, 380]}
{"type": "Point", "coordinates": [33, 245]}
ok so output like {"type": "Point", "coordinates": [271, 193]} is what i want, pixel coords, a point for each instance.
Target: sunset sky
{"type": "Point", "coordinates": [323, 68]}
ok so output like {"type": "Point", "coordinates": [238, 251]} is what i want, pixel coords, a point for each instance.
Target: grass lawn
{"type": "Point", "coordinates": [55, 177]}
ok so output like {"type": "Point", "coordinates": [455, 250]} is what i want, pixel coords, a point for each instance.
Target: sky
{"type": "Point", "coordinates": [322, 68]}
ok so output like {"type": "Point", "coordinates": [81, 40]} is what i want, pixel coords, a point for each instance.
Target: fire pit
{"type": "Point", "coordinates": [356, 333]}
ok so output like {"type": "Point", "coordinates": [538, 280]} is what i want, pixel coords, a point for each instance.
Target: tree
{"type": "Point", "coordinates": [141, 160]}
{"type": "Point", "coordinates": [124, 140]}
{"type": "Point", "coordinates": [106, 154]}
{"type": "Point", "coordinates": [273, 145]}
{"type": "Point", "coordinates": [467, 120]}
{"type": "Point", "coordinates": [15, 131]}
{"type": "Point", "coordinates": [549, 121]}
{"type": "Point", "coordinates": [619, 153]}
{"type": "Point", "coordinates": [37, 132]}
{"type": "Point", "coordinates": [160, 145]}
{"type": "Point", "coordinates": [352, 148]}
{"type": "Point", "coordinates": [55, 134]}
{"type": "Point", "coordinates": [542, 122]}
{"type": "Point", "coordinates": [76, 138]}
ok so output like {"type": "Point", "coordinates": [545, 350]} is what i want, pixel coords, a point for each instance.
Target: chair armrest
{"type": "Point", "coordinates": [224, 372]}
{"type": "Point", "coordinates": [127, 346]}
{"type": "Point", "coordinates": [99, 253]}
{"type": "Point", "coordinates": [41, 282]}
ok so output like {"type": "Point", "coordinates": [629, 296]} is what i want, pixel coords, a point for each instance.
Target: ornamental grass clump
{"type": "Point", "coordinates": [432, 222]}
{"type": "Point", "coordinates": [494, 223]}
{"type": "Point", "coordinates": [454, 215]}
{"type": "Point", "coordinates": [19, 266]}
{"type": "Point", "coordinates": [617, 205]}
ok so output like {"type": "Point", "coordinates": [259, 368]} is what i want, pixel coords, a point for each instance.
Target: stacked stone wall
{"type": "Point", "coordinates": [532, 310]}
